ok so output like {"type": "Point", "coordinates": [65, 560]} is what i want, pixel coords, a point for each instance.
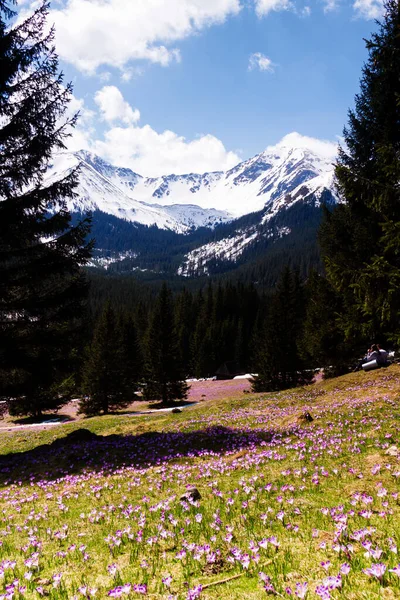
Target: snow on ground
{"type": "Point", "coordinates": [226, 249]}
{"type": "Point", "coordinates": [200, 390]}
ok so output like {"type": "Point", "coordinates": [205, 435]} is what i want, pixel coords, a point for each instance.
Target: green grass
{"type": "Point", "coordinates": [316, 490]}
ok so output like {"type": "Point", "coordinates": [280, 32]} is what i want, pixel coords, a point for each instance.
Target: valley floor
{"type": "Point", "coordinates": [200, 390]}
{"type": "Point", "coordinates": [288, 507]}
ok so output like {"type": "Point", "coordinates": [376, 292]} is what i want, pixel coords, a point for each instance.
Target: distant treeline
{"type": "Point", "coordinates": [213, 325]}
{"type": "Point", "coordinates": [283, 334]}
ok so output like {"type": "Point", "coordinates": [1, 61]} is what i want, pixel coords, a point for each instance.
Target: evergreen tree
{"type": "Point", "coordinates": [164, 376]}
{"type": "Point", "coordinates": [360, 239]}
{"type": "Point", "coordinates": [132, 352]}
{"type": "Point", "coordinates": [105, 381]}
{"type": "Point", "coordinates": [322, 343]}
{"type": "Point", "coordinates": [279, 364]}
{"type": "Point", "coordinates": [240, 346]}
{"type": "Point", "coordinates": [42, 289]}
{"type": "Point", "coordinates": [184, 323]}
{"type": "Point", "coordinates": [203, 342]}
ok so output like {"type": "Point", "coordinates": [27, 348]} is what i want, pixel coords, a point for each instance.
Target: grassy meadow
{"type": "Point", "coordinates": [289, 507]}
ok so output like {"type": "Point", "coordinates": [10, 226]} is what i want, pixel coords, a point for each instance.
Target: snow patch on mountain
{"type": "Point", "coordinates": [192, 216]}
{"type": "Point", "coordinates": [104, 259]}
{"type": "Point", "coordinates": [227, 249]}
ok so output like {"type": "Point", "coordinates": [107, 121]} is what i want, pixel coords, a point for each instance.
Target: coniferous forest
{"type": "Point", "coordinates": [67, 331]}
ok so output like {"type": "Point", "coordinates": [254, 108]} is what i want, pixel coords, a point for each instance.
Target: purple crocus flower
{"type": "Point", "coordinates": [345, 569]}
{"type": "Point", "coordinates": [396, 570]}
{"type": "Point", "coordinates": [376, 570]}
{"type": "Point", "coordinates": [323, 592]}
{"type": "Point", "coordinates": [301, 590]}
{"type": "Point", "coordinates": [194, 593]}
{"type": "Point", "coordinates": [167, 580]}
{"type": "Point", "coordinates": [332, 582]}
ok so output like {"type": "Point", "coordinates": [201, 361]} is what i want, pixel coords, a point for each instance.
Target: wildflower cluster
{"type": "Point", "coordinates": [287, 509]}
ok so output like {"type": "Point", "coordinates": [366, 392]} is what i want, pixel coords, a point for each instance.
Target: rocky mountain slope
{"type": "Point", "coordinates": [105, 188]}
{"type": "Point", "coordinates": [269, 188]}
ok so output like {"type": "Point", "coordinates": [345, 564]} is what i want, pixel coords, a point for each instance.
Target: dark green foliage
{"type": "Point", "coordinates": [279, 365]}
{"type": "Point", "coordinates": [132, 351]}
{"type": "Point", "coordinates": [204, 362]}
{"type": "Point", "coordinates": [164, 376]}
{"type": "Point", "coordinates": [161, 252]}
{"type": "Point", "coordinates": [42, 289]}
{"type": "Point", "coordinates": [361, 238]}
{"type": "Point", "coordinates": [185, 318]}
{"type": "Point", "coordinates": [322, 343]}
{"type": "Point", "coordinates": [213, 326]}
{"type": "Point", "coordinates": [108, 370]}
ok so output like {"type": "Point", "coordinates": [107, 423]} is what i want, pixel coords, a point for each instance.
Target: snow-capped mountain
{"type": "Point", "coordinates": [263, 181]}
{"type": "Point", "coordinates": [105, 188]}
{"type": "Point", "coordinates": [277, 185]}
{"type": "Point", "coordinates": [274, 189]}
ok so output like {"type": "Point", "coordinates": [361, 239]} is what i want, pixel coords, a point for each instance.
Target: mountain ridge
{"type": "Point", "coordinates": [248, 187]}
{"type": "Point", "coordinates": [237, 214]}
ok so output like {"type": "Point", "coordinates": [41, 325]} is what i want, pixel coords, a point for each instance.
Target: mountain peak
{"type": "Point", "coordinates": [261, 183]}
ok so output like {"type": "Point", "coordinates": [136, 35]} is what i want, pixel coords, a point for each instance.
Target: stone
{"type": "Point", "coordinates": [192, 494]}
{"type": "Point", "coordinates": [392, 451]}
{"type": "Point", "coordinates": [306, 417]}
{"type": "Point", "coordinates": [176, 411]}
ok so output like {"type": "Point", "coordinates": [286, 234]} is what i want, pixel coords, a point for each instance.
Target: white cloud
{"type": "Point", "coordinates": [141, 148]}
{"type": "Point", "coordinates": [368, 9]}
{"type": "Point", "coordinates": [327, 149]}
{"type": "Point", "coordinates": [330, 5]}
{"type": "Point", "coordinates": [131, 73]}
{"type": "Point", "coordinates": [151, 153]}
{"type": "Point", "coordinates": [83, 131]}
{"type": "Point", "coordinates": [263, 7]}
{"type": "Point", "coordinates": [261, 62]}
{"type": "Point", "coordinates": [105, 76]}
{"type": "Point", "coordinates": [113, 107]}
{"type": "Point", "coordinates": [91, 33]}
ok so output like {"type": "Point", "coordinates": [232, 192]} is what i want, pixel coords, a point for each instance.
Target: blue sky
{"type": "Point", "coordinates": [193, 85]}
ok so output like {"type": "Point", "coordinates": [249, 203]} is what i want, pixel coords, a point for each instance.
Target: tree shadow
{"type": "Point", "coordinates": [84, 451]}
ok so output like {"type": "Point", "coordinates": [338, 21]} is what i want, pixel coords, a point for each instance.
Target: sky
{"type": "Point", "coordinates": [179, 86]}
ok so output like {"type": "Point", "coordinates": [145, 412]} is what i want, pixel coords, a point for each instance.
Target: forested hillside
{"type": "Point", "coordinates": [153, 254]}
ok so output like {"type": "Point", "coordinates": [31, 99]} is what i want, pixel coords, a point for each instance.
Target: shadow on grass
{"type": "Point", "coordinates": [81, 450]}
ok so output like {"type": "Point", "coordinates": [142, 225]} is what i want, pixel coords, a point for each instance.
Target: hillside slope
{"type": "Point", "coordinates": [287, 508]}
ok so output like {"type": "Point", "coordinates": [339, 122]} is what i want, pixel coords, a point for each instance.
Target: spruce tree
{"type": "Point", "coordinates": [42, 289]}
{"type": "Point", "coordinates": [105, 381]}
{"type": "Point", "coordinates": [132, 352]}
{"type": "Point", "coordinates": [240, 346]}
{"type": "Point", "coordinates": [184, 323]}
{"type": "Point", "coordinates": [164, 376]}
{"type": "Point", "coordinates": [204, 345]}
{"type": "Point", "coordinates": [322, 344]}
{"type": "Point", "coordinates": [360, 239]}
{"type": "Point", "coordinates": [278, 363]}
